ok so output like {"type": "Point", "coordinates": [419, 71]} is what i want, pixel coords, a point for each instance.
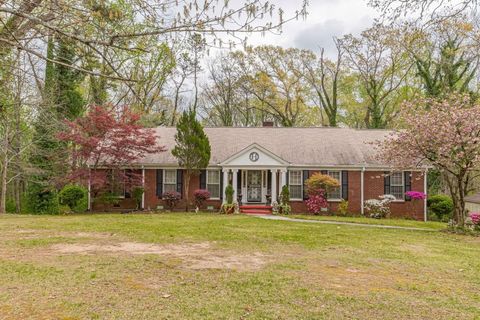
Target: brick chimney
{"type": "Point", "coordinates": [267, 124]}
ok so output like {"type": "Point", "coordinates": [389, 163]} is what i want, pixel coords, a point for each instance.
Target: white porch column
{"type": "Point", "coordinates": [274, 185]}
{"type": "Point", "coordinates": [225, 183]}
{"type": "Point", "coordinates": [283, 178]}
{"type": "Point", "coordinates": [234, 184]}
{"type": "Point", "coordinates": [143, 187]}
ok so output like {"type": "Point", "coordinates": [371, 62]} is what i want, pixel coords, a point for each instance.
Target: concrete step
{"type": "Point", "coordinates": [255, 206]}
{"type": "Point", "coordinates": [255, 211]}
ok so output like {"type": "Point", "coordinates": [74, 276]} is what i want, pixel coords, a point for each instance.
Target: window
{"type": "Point", "coordinates": [397, 188]}
{"type": "Point", "coordinates": [336, 193]}
{"type": "Point", "coordinates": [169, 180]}
{"type": "Point", "coordinates": [213, 183]}
{"type": "Point", "coordinates": [295, 184]}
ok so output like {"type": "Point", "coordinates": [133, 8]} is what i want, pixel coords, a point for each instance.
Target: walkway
{"type": "Point", "coordinates": [281, 218]}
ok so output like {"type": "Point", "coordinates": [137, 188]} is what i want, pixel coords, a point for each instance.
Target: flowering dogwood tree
{"type": "Point", "coordinates": [441, 134]}
{"type": "Point", "coordinates": [104, 139]}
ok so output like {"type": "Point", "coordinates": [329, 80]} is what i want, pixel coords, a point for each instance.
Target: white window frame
{"type": "Point", "coordinates": [340, 187]}
{"type": "Point", "coordinates": [301, 184]}
{"type": "Point", "coordinates": [219, 183]}
{"type": "Point", "coordinates": [402, 174]}
{"type": "Point", "coordinates": [164, 176]}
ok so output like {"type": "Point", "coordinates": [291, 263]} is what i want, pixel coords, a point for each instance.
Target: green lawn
{"type": "Point", "coordinates": [208, 266]}
{"type": "Point", "coordinates": [389, 222]}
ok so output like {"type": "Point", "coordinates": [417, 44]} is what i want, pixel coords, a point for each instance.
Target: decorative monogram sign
{"type": "Point", "coordinates": [254, 156]}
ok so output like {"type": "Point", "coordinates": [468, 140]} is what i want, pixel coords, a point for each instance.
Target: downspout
{"type": "Point", "coordinates": [143, 187]}
{"type": "Point", "coordinates": [362, 196]}
{"type": "Point", "coordinates": [89, 197]}
{"type": "Point", "coordinates": [425, 190]}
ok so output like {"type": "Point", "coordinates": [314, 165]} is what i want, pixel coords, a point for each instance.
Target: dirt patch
{"type": "Point", "coordinates": [38, 234]}
{"type": "Point", "coordinates": [194, 256]}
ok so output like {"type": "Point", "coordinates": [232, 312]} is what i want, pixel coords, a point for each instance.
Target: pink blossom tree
{"type": "Point", "coordinates": [440, 134]}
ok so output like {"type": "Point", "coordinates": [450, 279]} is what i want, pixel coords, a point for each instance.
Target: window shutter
{"type": "Point", "coordinates": [203, 179]}
{"type": "Point", "coordinates": [269, 180]}
{"type": "Point", "coordinates": [239, 182]}
{"type": "Point", "coordinates": [306, 175]}
{"type": "Point", "coordinates": [408, 183]}
{"type": "Point", "coordinates": [180, 182]}
{"type": "Point", "coordinates": [159, 183]}
{"type": "Point", "coordinates": [221, 184]}
{"type": "Point", "coordinates": [386, 183]}
{"type": "Point", "coordinates": [345, 185]}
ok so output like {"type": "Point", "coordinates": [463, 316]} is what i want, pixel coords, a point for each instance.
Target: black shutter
{"type": "Point", "coordinates": [345, 185]}
{"type": "Point", "coordinates": [159, 183]}
{"type": "Point", "coordinates": [221, 184]}
{"type": "Point", "coordinates": [408, 183]}
{"type": "Point", "coordinates": [386, 183]}
{"type": "Point", "coordinates": [269, 180]}
{"type": "Point", "coordinates": [306, 175]}
{"type": "Point", "coordinates": [203, 179]}
{"type": "Point", "coordinates": [239, 182]}
{"type": "Point", "coordinates": [180, 182]}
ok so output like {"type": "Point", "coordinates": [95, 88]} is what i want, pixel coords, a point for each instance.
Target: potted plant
{"type": "Point", "coordinates": [228, 207]}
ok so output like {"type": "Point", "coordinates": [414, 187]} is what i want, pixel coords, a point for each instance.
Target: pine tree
{"type": "Point", "coordinates": [192, 148]}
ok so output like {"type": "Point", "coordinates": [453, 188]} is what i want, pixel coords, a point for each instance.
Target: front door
{"type": "Point", "coordinates": [254, 186]}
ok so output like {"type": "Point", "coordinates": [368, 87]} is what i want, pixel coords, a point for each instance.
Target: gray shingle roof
{"type": "Point", "coordinates": [298, 146]}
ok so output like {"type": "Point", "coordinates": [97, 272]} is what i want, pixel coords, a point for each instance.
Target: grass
{"type": "Point", "coordinates": [387, 222]}
{"type": "Point", "coordinates": [231, 267]}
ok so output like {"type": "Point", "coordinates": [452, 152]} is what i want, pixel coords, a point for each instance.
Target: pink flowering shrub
{"type": "Point", "coordinates": [475, 216]}
{"type": "Point", "coordinates": [316, 202]}
{"type": "Point", "coordinates": [171, 199]}
{"type": "Point", "coordinates": [200, 196]}
{"type": "Point", "coordinates": [416, 195]}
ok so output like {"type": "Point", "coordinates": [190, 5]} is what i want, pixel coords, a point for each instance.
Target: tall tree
{"type": "Point", "coordinates": [192, 148]}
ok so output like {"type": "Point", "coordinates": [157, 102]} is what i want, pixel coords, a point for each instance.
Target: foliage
{"type": "Point", "coordinates": [284, 208]}
{"type": "Point", "coordinates": [320, 184]}
{"type": "Point", "coordinates": [40, 200]}
{"type": "Point", "coordinates": [475, 216]}
{"type": "Point", "coordinates": [443, 134]}
{"type": "Point", "coordinates": [229, 208]}
{"type": "Point", "coordinates": [105, 139]}
{"type": "Point", "coordinates": [441, 205]}
{"type": "Point", "coordinates": [316, 202]}
{"type": "Point", "coordinates": [379, 208]}
{"type": "Point", "coordinates": [73, 196]}
{"type": "Point", "coordinates": [171, 199]}
{"type": "Point", "coordinates": [137, 195]}
{"type": "Point", "coordinates": [229, 194]}
{"type": "Point", "coordinates": [285, 195]}
{"type": "Point", "coordinates": [192, 148]}
{"type": "Point", "coordinates": [343, 208]}
{"type": "Point", "coordinates": [416, 195]}
{"type": "Point", "coordinates": [201, 195]}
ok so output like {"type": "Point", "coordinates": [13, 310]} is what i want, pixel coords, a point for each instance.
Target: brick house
{"type": "Point", "coordinates": [259, 161]}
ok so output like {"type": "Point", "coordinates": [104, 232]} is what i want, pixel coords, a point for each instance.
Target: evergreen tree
{"type": "Point", "coordinates": [192, 148]}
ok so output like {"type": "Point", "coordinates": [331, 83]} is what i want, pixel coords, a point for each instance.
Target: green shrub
{"type": "Point", "coordinates": [41, 200]}
{"type": "Point", "coordinates": [229, 193]}
{"type": "Point", "coordinates": [73, 196]}
{"type": "Point", "coordinates": [343, 208]}
{"type": "Point", "coordinates": [285, 195]}
{"type": "Point", "coordinates": [137, 195]}
{"type": "Point", "coordinates": [441, 205]}
{"type": "Point", "coordinates": [10, 206]}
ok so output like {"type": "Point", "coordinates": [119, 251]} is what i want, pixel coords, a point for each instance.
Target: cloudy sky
{"type": "Point", "coordinates": [326, 19]}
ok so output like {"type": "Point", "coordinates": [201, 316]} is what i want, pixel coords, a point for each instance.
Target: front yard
{"type": "Point", "coordinates": [208, 266]}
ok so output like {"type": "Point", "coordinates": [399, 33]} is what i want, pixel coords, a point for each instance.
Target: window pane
{"type": "Point", "coordinates": [335, 193]}
{"type": "Point", "coordinates": [169, 187]}
{"type": "Point", "coordinates": [214, 190]}
{"type": "Point", "coordinates": [396, 179]}
{"type": "Point", "coordinates": [397, 192]}
{"type": "Point", "coordinates": [295, 177]}
{"type": "Point", "coordinates": [170, 177]}
{"type": "Point", "coordinates": [295, 192]}
{"type": "Point", "coordinates": [213, 176]}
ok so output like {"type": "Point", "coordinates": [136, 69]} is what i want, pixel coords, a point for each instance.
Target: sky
{"type": "Point", "coordinates": [326, 19]}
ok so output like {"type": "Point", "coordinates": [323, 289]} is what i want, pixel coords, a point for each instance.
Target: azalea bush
{"type": "Point", "coordinates": [171, 199]}
{"type": "Point", "coordinates": [416, 195]}
{"type": "Point", "coordinates": [316, 202]}
{"type": "Point", "coordinates": [475, 216]}
{"type": "Point", "coordinates": [379, 208]}
{"type": "Point", "coordinates": [200, 196]}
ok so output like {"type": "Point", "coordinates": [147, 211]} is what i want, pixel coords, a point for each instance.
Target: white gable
{"type": "Point", "coordinates": [254, 156]}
